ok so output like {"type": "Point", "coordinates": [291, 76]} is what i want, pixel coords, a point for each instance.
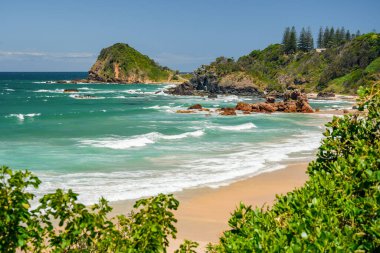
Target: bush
{"type": "Point", "coordinates": [337, 210]}
{"type": "Point", "coordinates": [61, 224]}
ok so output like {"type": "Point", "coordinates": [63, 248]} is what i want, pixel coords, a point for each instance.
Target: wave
{"type": "Point", "coordinates": [245, 126]}
{"type": "Point", "coordinates": [84, 97]}
{"type": "Point", "coordinates": [45, 82]}
{"type": "Point", "coordinates": [248, 159]}
{"type": "Point", "coordinates": [9, 89]}
{"type": "Point", "coordinates": [49, 91]}
{"type": "Point", "coordinates": [136, 141]}
{"type": "Point", "coordinates": [21, 116]}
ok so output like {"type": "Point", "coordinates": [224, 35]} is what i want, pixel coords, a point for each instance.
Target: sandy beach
{"type": "Point", "coordinates": [203, 213]}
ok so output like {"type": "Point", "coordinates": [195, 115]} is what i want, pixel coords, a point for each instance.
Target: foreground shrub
{"type": "Point", "coordinates": [337, 210]}
{"type": "Point", "coordinates": [61, 224]}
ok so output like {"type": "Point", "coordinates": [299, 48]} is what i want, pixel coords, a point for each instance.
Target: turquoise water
{"type": "Point", "coordinates": [126, 141]}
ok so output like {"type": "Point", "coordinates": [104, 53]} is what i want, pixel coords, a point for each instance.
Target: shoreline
{"type": "Point", "coordinates": [204, 212]}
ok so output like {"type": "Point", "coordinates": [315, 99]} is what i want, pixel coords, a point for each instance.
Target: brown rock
{"type": "Point", "coordinates": [196, 107]}
{"type": "Point", "coordinates": [228, 111]}
{"type": "Point", "coordinates": [264, 107]}
{"type": "Point", "coordinates": [245, 107]}
{"type": "Point", "coordinates": [184, 111]}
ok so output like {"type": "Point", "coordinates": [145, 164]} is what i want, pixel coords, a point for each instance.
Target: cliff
{"type": "Point", "coordinates": [121, 63]}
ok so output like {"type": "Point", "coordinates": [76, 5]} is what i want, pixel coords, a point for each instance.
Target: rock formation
{"type": "Point", "coordinates": [121, 63]}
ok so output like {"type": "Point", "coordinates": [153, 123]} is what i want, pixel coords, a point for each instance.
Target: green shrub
{"type": "Point", "coordinates": [337, 210]}
{"type": "Point", "coordinates": [61, 224]}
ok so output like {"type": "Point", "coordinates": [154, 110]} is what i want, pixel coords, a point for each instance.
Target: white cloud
{"type": "Point", "coordinates": [21, 54]}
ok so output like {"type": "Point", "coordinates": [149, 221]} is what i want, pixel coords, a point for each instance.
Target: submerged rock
{"type": "Point", "coordinates": [196, 106]}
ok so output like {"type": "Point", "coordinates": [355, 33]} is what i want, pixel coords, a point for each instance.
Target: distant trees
{"type": "Point", "coordinates": [327, 37]}
{"type": "Point", "coordinates": [331, 37]}
{"type": "Point", "coordinates": [306, 41]}
{"type": "Point", "coordinates": [289, 40]}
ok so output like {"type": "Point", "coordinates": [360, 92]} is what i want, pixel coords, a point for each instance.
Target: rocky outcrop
{"type": "Point", "coordinates": [121, 63]}
{"type": "Point", "coordinates": [210, 84]}
{"type": "Point", "coordinates": [294, 101]}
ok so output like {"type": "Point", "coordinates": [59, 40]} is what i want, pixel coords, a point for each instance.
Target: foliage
{"type": "Point", "coordinates": [61, 224]}
{"type": "Point", "coordinates": [187, 247]}
{"type": "Point", "coordinates": [130, 62]}
{"type": "Point", "coordinates": [337, 210]}
{"type": "Point", "coordinates": [340, 68]}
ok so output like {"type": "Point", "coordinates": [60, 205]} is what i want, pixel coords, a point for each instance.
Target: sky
{"type": "Point", "coordinates": [67, 35]}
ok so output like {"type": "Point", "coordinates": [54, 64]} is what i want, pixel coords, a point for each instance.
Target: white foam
{"type": "Point", "coordinates": [136, 141]}
{"type": "Point", "coordinates": [245, 126]}
{"type": "Point", "coordinates": [21, 116]}
{"type": "Point", "coordinates": [247, 159]}
{"type": "Point", "coordinates": [9, 89]}
{"type": "Point", "coordinates": [49, 91]}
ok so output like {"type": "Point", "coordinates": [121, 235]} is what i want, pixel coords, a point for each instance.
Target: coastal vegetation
{"type": "Point", "coordinates": [342, 67]}
{"type": "Point", "coordinates": [336, 210]}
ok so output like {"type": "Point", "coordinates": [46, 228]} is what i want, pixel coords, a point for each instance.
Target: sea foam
{"type": "Point", "coordinates": [136, 141]}
{"type": "Point", "coordinates": [245, 126]}
{"type": "Point", "coordinates": [21, 116]}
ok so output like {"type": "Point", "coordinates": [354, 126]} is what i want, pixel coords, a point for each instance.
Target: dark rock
{"type": "Point", "coordinates": [212, 96]}
{"type": "Point", "coordinates": [270, 100]}
{"type": "Point", "coordinates": [70, 90]}
{"type": "Point", "coordinates": [326, 94]}
{"type": "Point", "coordinates": [196, 107]}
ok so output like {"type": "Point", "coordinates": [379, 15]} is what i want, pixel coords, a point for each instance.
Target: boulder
{"type": "Point", "coordinates": [268, 108]}
{"type": "Point", "coordinates": [184, 111]}
{"type": "Point", "coordinates": [243, 107]}
{"type": "Point", "coordinates": [228, 111]}
{"type": "Point", "coordinates": [326, 94]}
{"type": "Point", "coordinates": [70, 90]}
{"type": "Point", "coordinates": [195, 107]}
{"type": "Point", "coordinates": [270, 99]}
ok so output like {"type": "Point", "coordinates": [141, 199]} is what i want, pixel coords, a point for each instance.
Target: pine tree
{"type": "Point", "coordinates": [293, 40]}
{"type": "Point", "coordinates": [332, 39]}
{"type": "Point", "coordinates": [309, 40]}
{"type": "Point", "coordinates": [286, 36]}
{"type": "Point", "coordinates": [348, 35]}
{"type": "Point", "coordinates": [326, 37]}
{"type": "Point", "coordinates": [357, 33]}
{"type": "Point", "coordinates": [302, 40]}
{"type": "Point", "coordinates": [320, 38]}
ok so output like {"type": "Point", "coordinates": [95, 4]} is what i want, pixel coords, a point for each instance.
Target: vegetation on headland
{"type": "Point", "coordinates": [122, 63]}
{"type": "Point", "coordinates": [341, 67]}
{"type": "Point", "coordinates": [337, 210]}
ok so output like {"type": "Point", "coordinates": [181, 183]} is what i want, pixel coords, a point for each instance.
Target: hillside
{"type": "Point", "coordinates": [123, 64]}
{"type": "Point", "coordinates": [340, 69]}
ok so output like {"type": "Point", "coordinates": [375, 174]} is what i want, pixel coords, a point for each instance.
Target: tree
{"type": "Point", "coordinates": [326, 37]}
{"type": "Point", "coordinates": [348, 35]}
{"type": "Point", "coordinates": [289, 40]}
{"type": "Point", "coordinates": [286, 36]}
{"type": "Point", "coordinates": [302, 41]}
{"type": "Point", "coordinates": [293, 40]}
{"type": "Point", "coordinates": [309, 40]}
{"type": "Point", "coordinates": [320, 38]}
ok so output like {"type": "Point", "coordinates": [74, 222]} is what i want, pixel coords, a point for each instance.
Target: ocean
{"type": "Point", "coordinates": [127, 141]}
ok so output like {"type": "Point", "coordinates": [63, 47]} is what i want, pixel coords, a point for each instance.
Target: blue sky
{"type": "Point", "coordinates": [67, 35]}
